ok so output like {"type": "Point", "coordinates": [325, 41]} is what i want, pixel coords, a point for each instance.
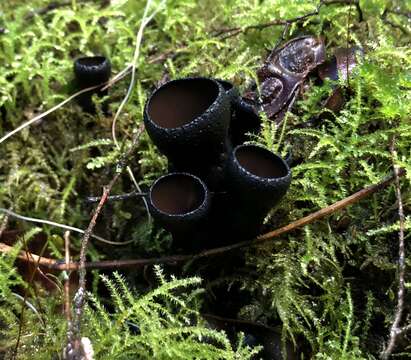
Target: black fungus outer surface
{"type": "Point", "coordinates": [181, 223]}
{"type": "Point", "coordinates": [255, 191]}
{"type": "Point", "coordinates": [230, 89]}
{"type": "Point", "coordinates": [244, 118]}
{"type": "Point", "coordinates": [202, 139]}
{"type": "Point", "coordinates": [92, 70]}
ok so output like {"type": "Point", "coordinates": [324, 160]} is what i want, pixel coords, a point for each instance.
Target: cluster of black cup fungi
{"type": "Point", "coordinates": [218, 190]}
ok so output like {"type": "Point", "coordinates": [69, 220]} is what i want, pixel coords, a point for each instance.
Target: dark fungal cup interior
{"type": "Point", "coordinates": [180, 102]}
{"type": "Point", "coordinates": [177, 194]}
{"type": "Point", "coordinates": [92, 61]}
{"type": "Point", "coordinates": [260, 162]}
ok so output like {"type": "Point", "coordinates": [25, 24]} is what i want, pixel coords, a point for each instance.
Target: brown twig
{"type": "Point", "coordinates": [67, 310]}
{"type": "Point", "coordinates": [120, 197]}
{"type": "Point", "coordinates": [74, 349]}
{"type": "Point", "coordinates": [395, 327]}
{"type": "Point", "coordinates": [172, 259]}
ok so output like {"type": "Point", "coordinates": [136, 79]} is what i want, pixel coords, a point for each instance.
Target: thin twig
{"type": "Point", "coordinates": [74, 348]}
{"type": "Point", "coordinates": [120, 197]}
{"type": "Point", "coordinates": [62, 226]}
{"type": "Point", "coordinates": [173, 259]}
{"type": "Point", "coordinates": [395, 327]}
{"type": "Point", "coordinates": [107, 84]}
{"type": "Point", "coordinates": [74, 332]}
{"type": "Point", "coordinates": [67, 309]}
{"type": "Point", "coordinates": [42, 115]}
{"type": "Point", "coordinates": [144, 22]}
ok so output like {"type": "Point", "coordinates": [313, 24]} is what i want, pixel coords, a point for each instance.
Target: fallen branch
{"type": "Point", "coordinates": [173, 259]}
{"type": "Point", "coordinates": [395, 327]}
{"type": "Point", "coordinates": [67, 308]}
{"type": "Point", "coordinates": [74, 349]}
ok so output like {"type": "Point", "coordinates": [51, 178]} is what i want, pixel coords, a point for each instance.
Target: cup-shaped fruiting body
{"type": "Point", "coordinates": [245, 121]}
{"type": "Point", "coordinates": [91, 71]}
{"type": "Point", "coordinates": [256, 179]}
{"type": "Point", "coordinates": [244, 118]}
{"type": "Point", "coordinates": [230, 89]}
{"type": "Point", "coordinates": [258, 176]}
{"type": "Point", "coordinates": [188, 120]}
{"type": "Point", "coordinates": [180, 203]}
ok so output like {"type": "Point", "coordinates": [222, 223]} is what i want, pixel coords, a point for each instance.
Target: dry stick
{"type": "Point", "coordinates": [395, 328]}
{"type": "Point", "coordinates": [49, 111]}
{"type": "Point", "coordinates": [139, 38]}
{"type": "Point", "coordinates": [119, 197]}
{"type": "Point", "coordinates": [74, 349]}
{"type": "Point", "coordinates": [55, 224]}
{"type": "Point", "coordinates": [108, 264]}
{"type": "Point", "coordinates": [67, 279]}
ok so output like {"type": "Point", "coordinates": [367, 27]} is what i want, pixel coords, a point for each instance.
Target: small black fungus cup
{"type": "Point", "coordinates": [230, 89]}
{"type": "Point", "coordinates": [91, 71]}
{"type": "Point", "coordinates": [257, 176]}
{"type": "Point", "coordinates": [188, 120]}
{"type": "Point", "coordinates": [256, 180]}
{"type": "Point", "coordinates": [180, 203]}
{"type": "Point", "coordinates": [244, 119]}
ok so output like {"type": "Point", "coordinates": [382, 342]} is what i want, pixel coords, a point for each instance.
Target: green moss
{"type": "Point", "coordinates": [327, 282]}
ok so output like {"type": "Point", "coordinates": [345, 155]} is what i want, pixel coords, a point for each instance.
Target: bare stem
{"type": "Point", "coordinates": [395, 327]}
{"type": "Point", "coordinates": [67, 309]}
{"type": "Point", "coordinates": [74, 348]}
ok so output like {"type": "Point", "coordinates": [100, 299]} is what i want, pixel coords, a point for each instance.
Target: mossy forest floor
{"type": "Point", "coordinates": [328, 290]}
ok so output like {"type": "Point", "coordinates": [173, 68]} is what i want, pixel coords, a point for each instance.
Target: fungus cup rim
{"type": "Point", "coordinates": [96, 61]}
{"type": "Point", "coordinates": [199, 208]}
{"type": "Point", "coordinates": [271, 155]}
{"type": "Point", "coordinates": [220, 91]}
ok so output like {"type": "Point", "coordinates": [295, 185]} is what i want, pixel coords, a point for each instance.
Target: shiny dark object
{"type": "Point", "coordinates": [244, 118]}
{"type": "Point", "coordinates": [258, 176]}
{"type": "Point", "coordinates": [91, 71]}
{"type": "Point", "coordinates": [180, 203]}
{"type": "Point", "coordinates": [284, 71]}
{"type": "Point", "coordinates": [340, 66]}
{"type": "Point", "coordinates": [256, 180]}
{"type": "Point", "coordinates": [188, 120]}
